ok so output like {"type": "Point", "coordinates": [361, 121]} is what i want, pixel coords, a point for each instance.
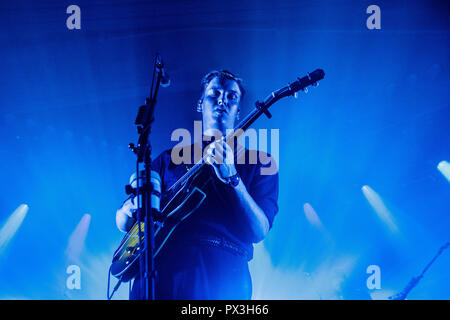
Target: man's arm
{"type": "Point", "coordinates": [124, 216]}
{"type": "Point", "coordinates": [253, 216]}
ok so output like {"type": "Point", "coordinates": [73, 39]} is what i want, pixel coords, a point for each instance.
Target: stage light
{"type": "Point", "coordinates": [12, 225]}
{"type": "Point", "coordinates": [377, 204]}
{"type": "Point", "coordinates": [444, 168]}
{"type": "Point", "coordinates": [77, 238]}
{"type": "Point", "coordinates": [312, 216]}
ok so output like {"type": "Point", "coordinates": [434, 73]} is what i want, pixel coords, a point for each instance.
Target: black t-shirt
{"type": "Point", "coordinates": [218, 216]}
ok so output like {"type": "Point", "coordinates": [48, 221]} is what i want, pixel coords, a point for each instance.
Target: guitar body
{"type": "Point", "coordinates": [179, 207]}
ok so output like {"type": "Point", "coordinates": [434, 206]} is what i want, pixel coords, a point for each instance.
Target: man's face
{"type": "Point", "coordinates": [220, 105]}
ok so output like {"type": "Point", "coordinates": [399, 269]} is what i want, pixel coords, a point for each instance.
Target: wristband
{"type": "Point", "coordinates": [234, 180]}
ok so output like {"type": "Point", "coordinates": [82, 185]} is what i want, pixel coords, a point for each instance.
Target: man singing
{"type": "Point", "coordinates": [207, 255]}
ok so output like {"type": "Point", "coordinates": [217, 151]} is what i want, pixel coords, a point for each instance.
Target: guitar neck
{"type": "Point", "coordinates": [261, 107]}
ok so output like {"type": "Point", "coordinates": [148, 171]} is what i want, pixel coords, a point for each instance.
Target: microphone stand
{"type": "Point", "coordinates": [415, 280]}
{"type": "Point", "coordinates": [146, 214]}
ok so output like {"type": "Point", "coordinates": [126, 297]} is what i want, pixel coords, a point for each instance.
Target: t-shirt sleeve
{"type": "Point", "coordinates": [159, 165]}
{"type": "Point", "coordinates": [264, 188]}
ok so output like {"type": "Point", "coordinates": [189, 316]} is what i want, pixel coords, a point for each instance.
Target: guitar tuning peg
{"type": "Point", "coordinates": [305, 90]}
{"type": "Point", "coordinates": [295, 95]}
{"type": "Point", "coordinates": [315, 84]}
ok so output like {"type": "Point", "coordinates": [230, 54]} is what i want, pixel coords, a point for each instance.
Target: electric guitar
{"type": "Point", "coordinates": [184, 197]}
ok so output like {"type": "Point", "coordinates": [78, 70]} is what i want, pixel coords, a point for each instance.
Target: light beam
{"type": "Point", "coordinates": [378, 206]}
{"type": "Point", "coordinates": [77, 238]}
{"type": "Point", "coordinates": [444, 168]}
{"type": "Point", "coordinates": [312, 216]}
{"type": "Point", "coordinates": [12, 225]}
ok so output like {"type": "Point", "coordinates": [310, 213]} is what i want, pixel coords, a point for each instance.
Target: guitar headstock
{"type": "Point", "coordinates": [312, 79]}
{"type": "Point", "coordinates": [290, 90]}
{"type": "Point", "coordinates": [301, 84]}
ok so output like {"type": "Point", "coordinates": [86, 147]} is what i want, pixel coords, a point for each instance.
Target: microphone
{"type": "Point", "coordinates": [165, 79]}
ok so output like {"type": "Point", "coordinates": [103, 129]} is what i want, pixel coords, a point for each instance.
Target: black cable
{"type": "Point", "coordinates": [109, 297]}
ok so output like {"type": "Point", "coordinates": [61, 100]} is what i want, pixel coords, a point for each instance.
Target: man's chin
{"type": "Point", "coordinates": [216, 129]}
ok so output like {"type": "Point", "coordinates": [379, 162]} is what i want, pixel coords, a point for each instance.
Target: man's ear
{"type": "Point", "coordinates": [199, 107]}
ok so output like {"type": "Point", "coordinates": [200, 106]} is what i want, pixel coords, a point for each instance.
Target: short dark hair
{"type": "Point", "coordinates": [222, 75]}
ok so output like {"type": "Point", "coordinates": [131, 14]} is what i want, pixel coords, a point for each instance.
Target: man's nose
{"type": "Point", "coordinates": [222, 100]}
